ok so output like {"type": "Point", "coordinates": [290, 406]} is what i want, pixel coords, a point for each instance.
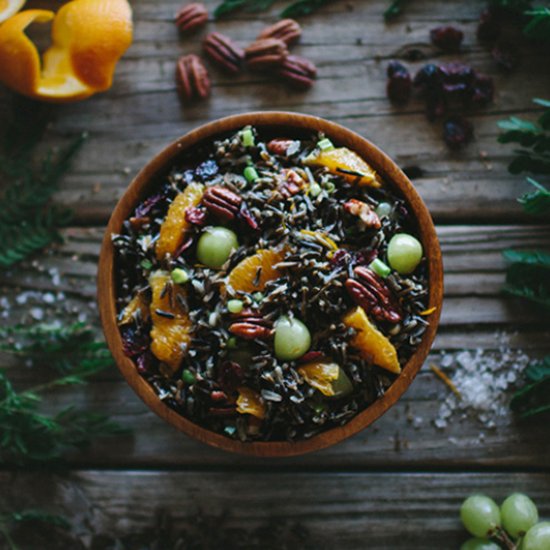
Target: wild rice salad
{"type": "Point", "coordinates": [272, 290]}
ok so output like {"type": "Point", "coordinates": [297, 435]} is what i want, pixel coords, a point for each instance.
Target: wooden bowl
{"type": "Point", "coordinates": [278, 124]}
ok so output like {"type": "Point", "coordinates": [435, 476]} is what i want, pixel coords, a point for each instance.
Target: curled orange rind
{"type": "Point", "coordinates": [88, 39]}
{"type": "Point", "coordinates": [9, 8]}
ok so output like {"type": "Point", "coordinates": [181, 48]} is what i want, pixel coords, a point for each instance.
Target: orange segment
{"type": "Point", "coordinates": [170, 337]}
{"type": "Point", "coordinates": [243, 274]}
{"type": "Point", "coordinates": [174, 226]}
{"type": "Point", "coordinates": [320, 376]}
{"type": "Point", "coordinates": [348, 164]}
{"type": "Point", "coordinates": [250, 402]}
{"type": "Point", "coordinates": [371, 343]}
{"type": "Point", "coordinates": [137, 302]}
{"type": "Point", "coordinates": [9, 8]}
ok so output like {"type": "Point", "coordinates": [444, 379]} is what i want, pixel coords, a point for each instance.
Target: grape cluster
{"type": "Point", "coordinates": [515, 525]}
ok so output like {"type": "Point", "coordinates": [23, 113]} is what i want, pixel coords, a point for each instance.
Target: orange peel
{"type": "Point", "coordinates": [88, 39]}
{"type": "Point", "coordinates": [9, 8]}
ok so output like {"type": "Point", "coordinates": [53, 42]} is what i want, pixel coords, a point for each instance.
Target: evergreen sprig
{"type": "Point", "coordinates": [533, 398]}
{"type": "Point", "coordinates": [10, 520]}
{"type": "Point", "coordinates": [28, 220]}
{"type": "Point", "coordinates": [26, 433]}
{"type": "Point", "coordinates": [538, 27]}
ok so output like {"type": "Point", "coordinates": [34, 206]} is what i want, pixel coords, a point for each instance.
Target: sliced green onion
{"type": "Point", "coordinates": [235, 306]}
{"type": "Point", "coordinates": [314, 190]}
{"type": "Point", "coordinates": [330, 187]}
{"type": "Point", "coordinates": [179, 276]}
{"type": "Point", "coordinates": [146, 264]}
{"type": "Point", "coordinates": [325, 145]}
{"type": "Point", "coordinates": [247, 137]}
{"type": "Point", "coordinates": [258, 296]}
{"type": "Point", "coordinates": [380, 268]}
{"type": "Point", "coordinates": [250, 174]}
{"type": "Point", "coordinates": [188, 377]}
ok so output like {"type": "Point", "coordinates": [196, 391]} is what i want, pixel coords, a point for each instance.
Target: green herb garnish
{"type": "Point", "coordinates": [534, 397]}
{"type": "Point", "coordinates": [28, 220]}
{"type": "Point", "coordinates": [73, 355]}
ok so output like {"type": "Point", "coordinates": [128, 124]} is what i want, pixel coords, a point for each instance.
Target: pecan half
{"type": "Point", "coordinates": [265, 53]}
{"type": "Point", "coordinates": [222, 202]}
{"type": "Point", "coordinates": [224, 52]}
{"type": "Point", "coordinates": [251, 326]}
{"type": "Point", "coordinates": [280, 146]}
{"type": "Point", "coordinates": [287, 30]}
{"type": "Point", "coordinates": [191, 17]}
{"type": "Point", "coordinates": [298, 71]}
{"type": "Point", "coordinates": [364, 211]}
{"type": "Point", "coordinates": [291, 183]}
{"type": "Point", "coordinates": [192, 78]}
{"type": "Point", "coordinates": [371, 293]}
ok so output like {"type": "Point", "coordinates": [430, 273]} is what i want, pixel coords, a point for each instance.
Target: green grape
{"type": "Point", "coordinates": [479, 544]}
{"type": "Point", "coordinates": [519, 514]}
{"type": "Point", "coordinates": [292, 339]}
{"type": "Point", "coordinates": [538, 537]}
{"type": "Point", "coordinates": [480, 515]}
{"type": "Point", "coordinates": [404, 253]}
{"type": "Point", "coordinates": [215, 246]}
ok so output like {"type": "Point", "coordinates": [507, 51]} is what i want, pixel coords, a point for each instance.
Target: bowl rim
{"type": "Point", "coordinates": [158, 167]}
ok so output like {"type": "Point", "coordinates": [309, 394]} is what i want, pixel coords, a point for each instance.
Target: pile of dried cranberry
{"type": "Point", "coordinates": [450, 88]}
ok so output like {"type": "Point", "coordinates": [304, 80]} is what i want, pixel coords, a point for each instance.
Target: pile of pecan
{"type": "Point", "coordinates": [269, 52]}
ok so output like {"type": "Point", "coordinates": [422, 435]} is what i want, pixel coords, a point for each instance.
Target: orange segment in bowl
{"type": "Point", "coordinates": [250, 402]}
{"type": "Point", "coordinates": [174, 226]}
{"type": "Point", "coordinates": [371, 343]}
{"type": "Point", "coordinates": [348, 164]}
{"type": "Point", "coordinates": [171, 332]}
{"type": "Point", "coordinates": [321, 375]}
{"type": "Point", "coordinates": [243, 275]}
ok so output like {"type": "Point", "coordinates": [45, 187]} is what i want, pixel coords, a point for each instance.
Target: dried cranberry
{"type": "Point", "coordinates": [506, 56]}
{"type": "Point", "coordinates": [341, 257]}
{"type": "Point", "coordinates": [134, 341]}
{"type": "Point", "coordinates": [196, 215]}
{"type": "Point", "coordinates": [396, 67]}
{"type": "Point", "coordinates": [427, 78]}
{"type": "Point", "coordinates": [144, 363]}
{"type": "Point", "coordinates": [247, 216]}
{"type": "Point", "coordinates": [207, 169]}
{"type": "Point", "coordinates": [230, 376]}
{"type": "Point", "coordinates": [448, 38]}
{"type": "Point", "coordinates": [147, 205]}
{"type": "Point", "coordinates": [457, 131]}
{"type": "Point", "coordinates": [399, 87]}
{"type": "Point", "coordinates": [489, 26]}
{"type": "Point", "coordinates": [482, 90]}
{"type": "Point", "coordinates": [365, 256]}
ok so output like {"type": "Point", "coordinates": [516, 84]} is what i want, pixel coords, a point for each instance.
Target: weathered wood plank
{"type": "Point", "coordinates": [350, 43]}
{"type": "Point", "coordinates": [331, 510]}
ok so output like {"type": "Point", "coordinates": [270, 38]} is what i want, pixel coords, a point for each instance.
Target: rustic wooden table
{"type": "Point", "coordinates": [398, 484]}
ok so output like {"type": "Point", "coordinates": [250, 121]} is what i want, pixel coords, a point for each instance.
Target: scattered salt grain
{"type": "Point", "coordinates": [485, 380]}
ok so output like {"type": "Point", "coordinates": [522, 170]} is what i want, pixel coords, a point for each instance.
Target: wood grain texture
{"type": "Point", "coordinates": [272, 124]}
{"type": "Point", "coordinates": [351, 45]}
{"type": "Point", "coordinates": [379, 511]}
